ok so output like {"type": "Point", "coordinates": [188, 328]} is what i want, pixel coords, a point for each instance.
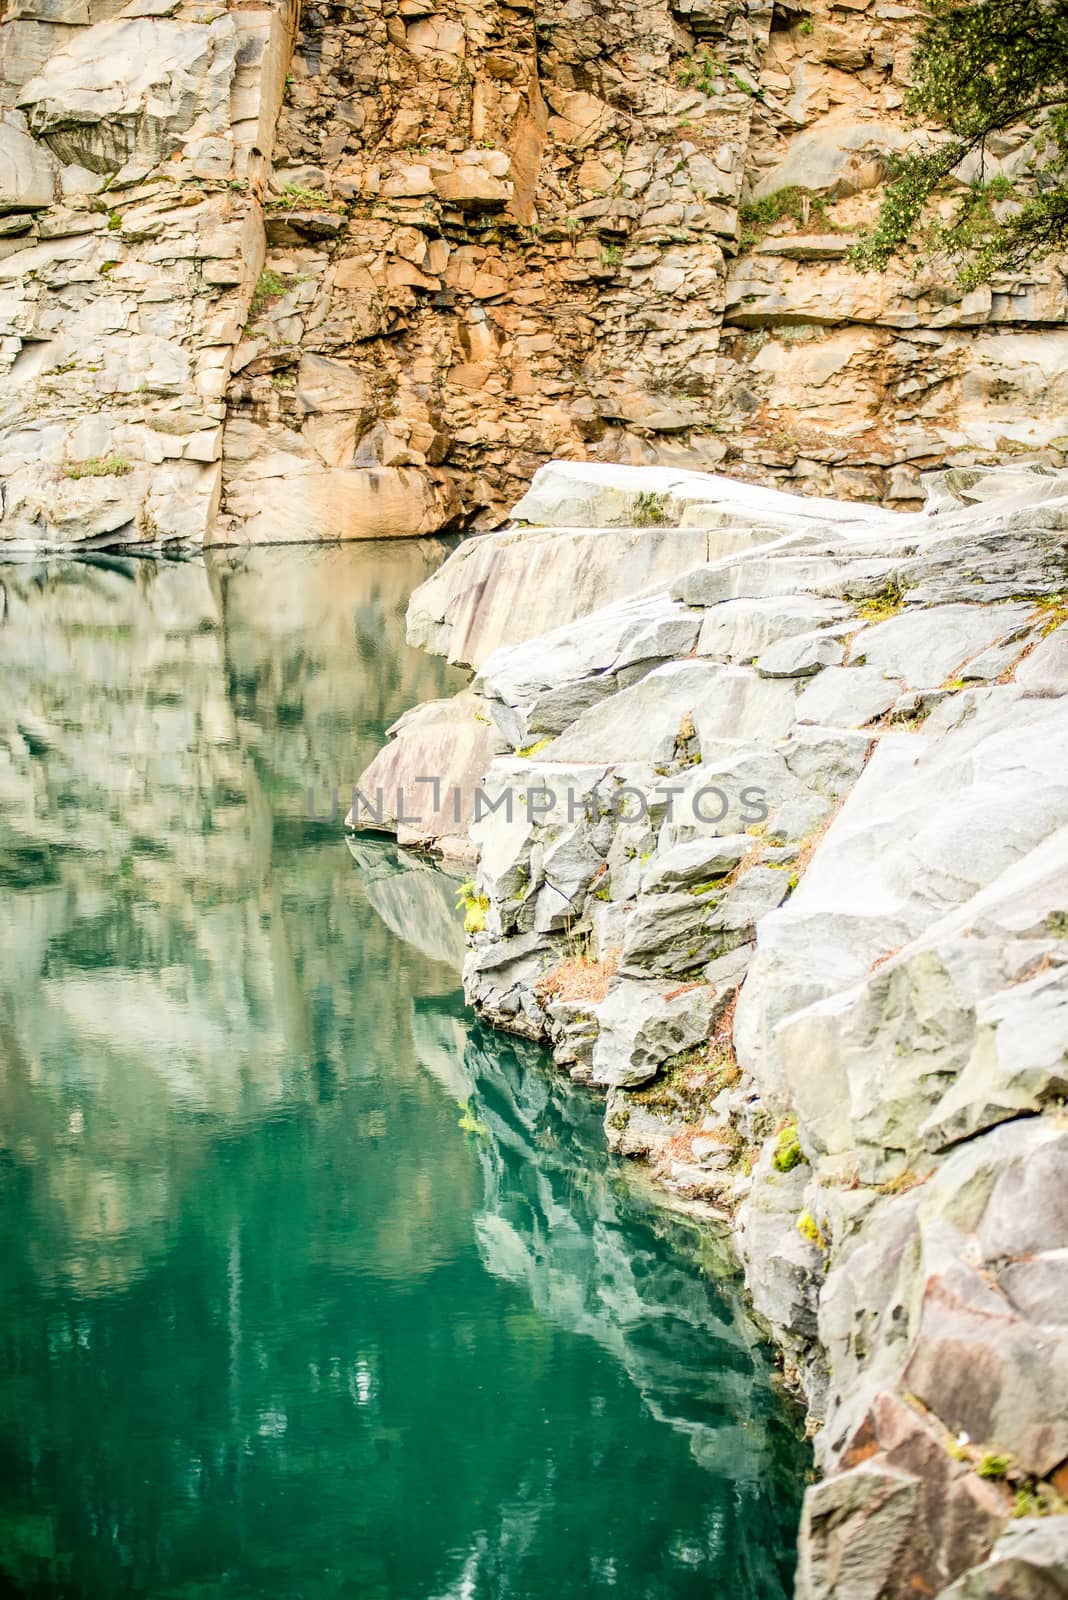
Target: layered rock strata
{"type": "Point", "coordinates": [362, 279]}
{"type": "Point", "coordinates": [136, 150]}
{"type": "Point", "coordinates": [771, 849]}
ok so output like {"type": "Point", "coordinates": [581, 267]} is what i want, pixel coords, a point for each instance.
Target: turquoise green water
{"type": "Point", "coordinates": [309, 1286]}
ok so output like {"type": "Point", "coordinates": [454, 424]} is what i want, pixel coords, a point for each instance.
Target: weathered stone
{"type": "Point", "coordinates": [741, 630]}
{"type": "Point", "coordinates": [596, 495]}
{"type": "Point", "coordinates": [422, 784]}
{"type": "Point", "coordinates": [641, 1025]}
{"type": "Point", "coordinates": [800, 656]}
{"type": "Point", "coordinates": [27, 172]}
{"type": "Point", "coordinates": [922, 648]}
{"type": "Point", "coordinates": [504, 588]}
{"type": "Point", "coordinates": [846, 697]}
{"type": "Point", "coordinates": [1029, 1562]}
{"type": "Point", "coordinates": [542, 687]}
{"type": "Point", "coordinates": [1045, 669]}
{"type": "Point", "coordinates": [697, 861]}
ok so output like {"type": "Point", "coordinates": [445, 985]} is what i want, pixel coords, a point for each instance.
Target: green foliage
{"type": "Point", "coordinates": [980, 67]}
{"type": "Point", "coordinates": [1038, 1500]}
{"type": "Point", "coordinates": [650, 511]}
{"type": "Point", "coordinates": [887, 603]}
{"type": "Point", "coordinates": [809, 1229]}
{"type": "Point", "coordinates": [114, 221]}
{"type": "Point", "coordinates": [97, 467]}
{"type": "Point", "coordinates": [707, 73]}
{"type": "Point", "coordinates": [474, 906]}
{"type": "Point", "coordinates": [1054, 611]}
{"type": "Point", "coordinates": [993, 1466]}
{"type": "Point", "coordinates": [794, 203]}
{"type": "Point", "coordinates": [269, 286]}
{"type": "Point", "coordinates": [611, 256]}
{"type": "Point", "coordinates": [296, 197]}
{"type": "Point", "coordinates": [788, 1153]}
{"type": "Point", "coordinates": [529, 750]}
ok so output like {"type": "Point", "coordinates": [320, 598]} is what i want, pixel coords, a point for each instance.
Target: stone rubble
{"type": "Point", "coordinates": [798, 904]}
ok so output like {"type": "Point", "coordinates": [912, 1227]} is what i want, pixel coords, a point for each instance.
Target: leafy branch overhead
{"type": "Point", "coordinates": [981, 68]}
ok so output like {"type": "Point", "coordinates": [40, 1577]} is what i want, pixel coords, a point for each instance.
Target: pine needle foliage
{"type": "Point", "coordinates": [981, 68]}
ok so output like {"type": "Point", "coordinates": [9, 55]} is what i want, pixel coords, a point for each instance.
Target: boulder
{"type": "Point", "coordinates": [670, 707]}
{"type": "Point", "coordinates": [846, 697]}
{"type": "Point", "coordinates": [594, 494]}
{"type": "Point", "coordinates": [504, 588]}
{"type": "Point", "coordinates": [741, 630]}
{"type": "Point", "coordinates": [287, 500]}
{"type": "Point", "coordinates": [131, 89]}
{"type": "Point", "coordinates": [642, 1025]}
{"type": "Point", "coordinates": [800, 656]}
{"type": "Point", "coordinates": [934, 819]}
{"type": "Point", "coordinates": [1045, 669]}
{"type": "Point", "coordinates": [697, 861]}
{"type": "Point", "coordinates": [422, 784]}
{"type": "Point", "coordinates": [542, 687]}
{"type": "Point", "coordinates": [1028, 1562]}
{"type": "Point", "coordinates": [923, 647]}
{"type": "Point", "coordinates": [27, 170]}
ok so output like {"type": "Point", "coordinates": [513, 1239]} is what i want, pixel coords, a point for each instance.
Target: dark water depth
{"type": "Point", "coordinates": [309, 1286]}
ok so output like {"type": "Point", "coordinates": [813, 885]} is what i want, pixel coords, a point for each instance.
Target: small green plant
{"type": "Point", "coordinates": [993, 1466]}
{"type": "Point", "coordinates": [788, 1153]}
{"type": "Point", "coordinates": [792, 204]}
{"type": "Point", "coordinates": [114, 221]}
{"type": "Point", "coordinates": [806, 26]}
{"type": "Point", "coordinates": [107, 267]}
{"type": "Point", "coordinates": [611, 256]}
{"type": "Point", "coordinates": [1055, 611]}
{"type": "Point", "coordinates": [1037, 1500]}
{"type": "Point", "coordinates": [529, 750]}
{"type": "Point", "coordinates": [878, 607]}
{"type": "Point", "coordinates": [706, 72]}
{"type": "Point", "coordinates": [572, 224]}
{"type": "Point", "coordinates": [295, 197]}
{"type": "Point", "coordinates": [809, 1229]}
{"type": "Point", "coordinates": [710, 887]}
{"type": "Point", "coordinates": [650, 510]}
{"type": "Point", "coordinates": [473, 905]}
{"type": "Point", "coordinates": [269, 286]}
{"type": "Point", "coordinates": [97, 467]}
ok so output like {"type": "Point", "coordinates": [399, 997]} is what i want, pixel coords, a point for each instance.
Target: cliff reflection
{"type": "Point", "coordinates": [160, 726]}
{"type": "Point", "coordinates": [310, 1286]}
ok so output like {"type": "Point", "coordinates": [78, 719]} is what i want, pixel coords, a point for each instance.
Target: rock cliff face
{"type": "Point", "coordinates": [411, 258]}
{"type": "Point", "coordinates": [773, 850]}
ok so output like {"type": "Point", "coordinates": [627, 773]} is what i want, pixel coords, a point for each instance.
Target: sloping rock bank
{"type": "Point", "coordinates": [772, 848]}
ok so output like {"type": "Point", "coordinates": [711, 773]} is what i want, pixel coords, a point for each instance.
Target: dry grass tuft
{"type": "Point", "coordinates": [580, 978]}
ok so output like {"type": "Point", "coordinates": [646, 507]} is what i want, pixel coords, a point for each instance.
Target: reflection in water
{"type": "Point", "coordinates": [310, 1286]}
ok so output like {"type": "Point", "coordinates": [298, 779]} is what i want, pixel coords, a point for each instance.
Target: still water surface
{"type": "Point", "coordinates": [310, 1287]}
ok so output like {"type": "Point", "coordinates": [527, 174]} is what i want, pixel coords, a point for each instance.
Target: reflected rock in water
{"type": "Point", "coordinates": [162, 950]}
{"type": "Point", "coordinates": [415, 899]}
{"type": "Point", "coordinates": [597, 1257]}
